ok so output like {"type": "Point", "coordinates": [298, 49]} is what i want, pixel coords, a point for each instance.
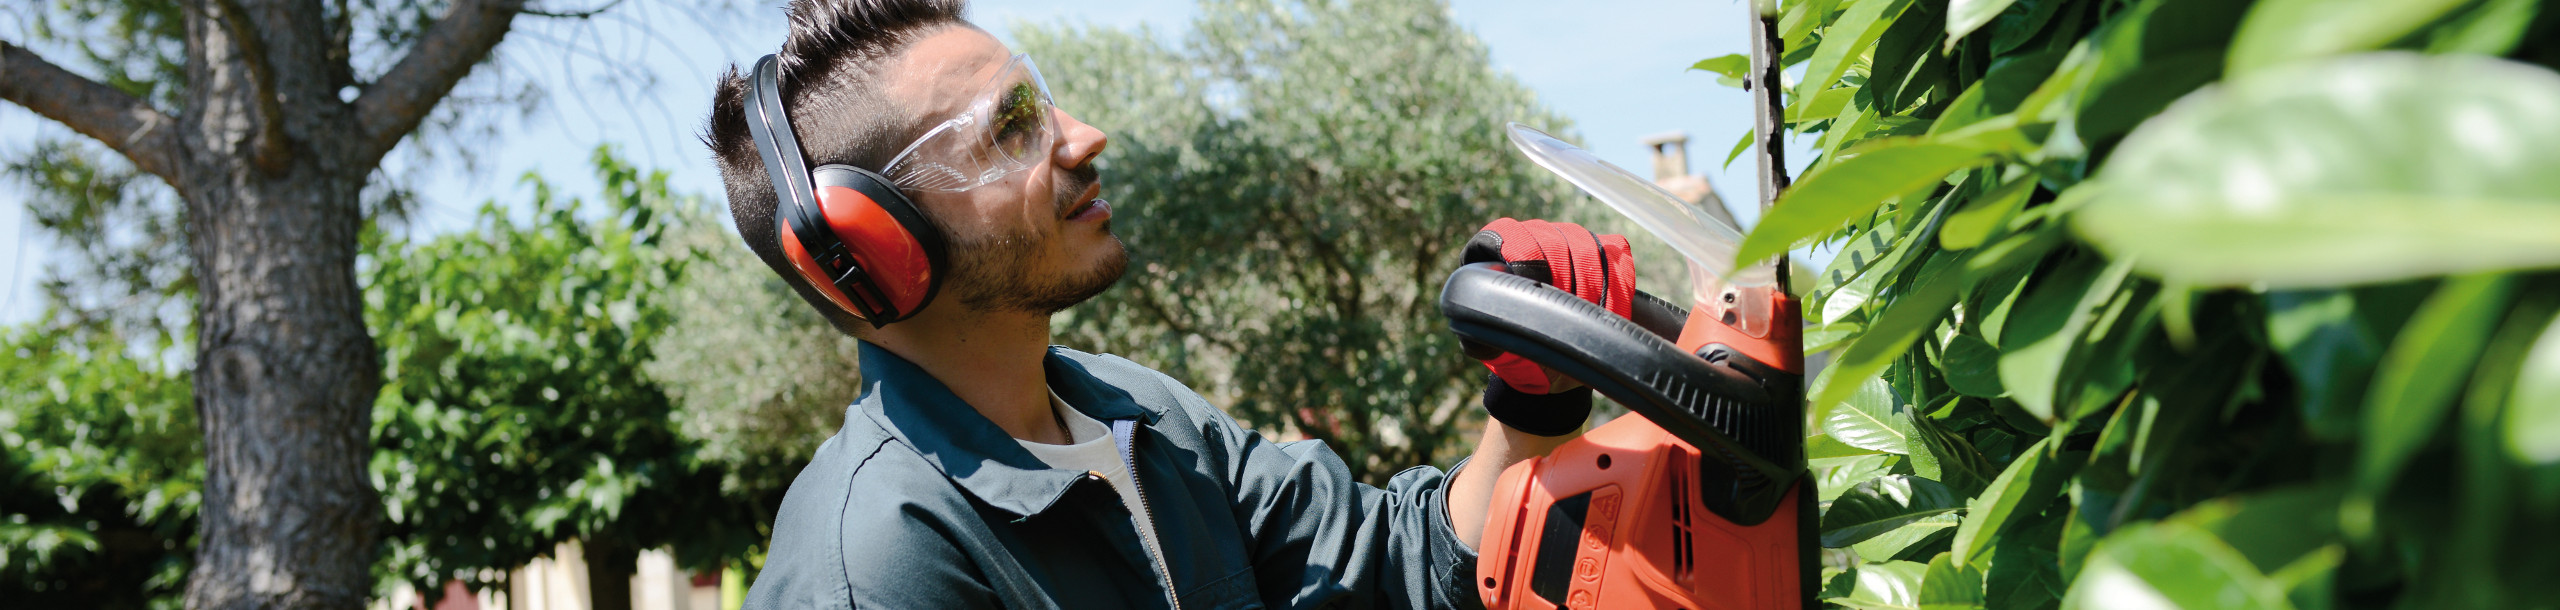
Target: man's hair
{"type": "Point", "coordinates": [829, 70]}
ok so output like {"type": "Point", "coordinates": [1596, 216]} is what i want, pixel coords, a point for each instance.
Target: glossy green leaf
{"type": "Point", "coordinates": [1905, 63]}
{"type": "Point", "coordinates": [1964, 16]}
{"type": "Point", "coordinates": [1856, 255]}
{"type": "Point", "coordinates": [2171, 565]}
{"type": "Point", "coordinates": [1951, 585]}
{"type": "Point", "coordinates": [1985, 214]}
{"type": "Point", "coordinates": [2271, 529]}
{"type": "Point", "coordinates": [2097, 373]}
{"type": "Point", "coordinates": [2363, 169]}
{"type": "Point", "coordinates": [2533, 407]}
{"type": "Point", "coordinates": [2045, 328]}
{"type": "Point", "coordinates": [2493, 27]}
{"type": "Point", "coordinates": [2281, 31]}
{"type": "Point", "coordinates": [2022, 490]}
{"type": "Point", "coordinates": [1800, 18]}
{"type": "Point", "coordinates": [1886, 585]}
{"type": "Point", "coordinates": [1846, 189]}
{"type": "Point", "coordinates": [1846, 40]}
{"type": "Point", "coordinates": [1887, 337]}
{"type": "Point", "coordinates": [2416, 381]}
{"type": "Point", "coordinates": [1740, 145]}
{"type": "Point", "coordinates": [1825, 337]}
{"type": "Point", "coordinates": [1973, 367]}
{"type": "Point", "coordinates": [2331, 351]}
{"type": "Point", "coordinates": [2011, 256]}
{"type": "Point", "coordinates": [1823, 446]}
{"type": "Point", "coordinates": [2010, 81]}
{"type": "Point", "coordinates": [2011, 29]}
{"type": "Point", "coordinates": [1735, 65]}
{"type": "Point", "coordinates": [1949, 457]}
{"type": "Point", "coordinates": [1849, 298]}
{"type": "Point", "coordinates": [2142, 93]}
{"type": "Point", "coordinates": [1870, 419]}
{"type": "Point", "coordinates": [1835, 476]}
{"type": "Point", "coordinates": [1884, 504]}
{"type": "Point", "coordinates": [1917, 540]}
{"type": "Point", "coordinates": [1822, 106]}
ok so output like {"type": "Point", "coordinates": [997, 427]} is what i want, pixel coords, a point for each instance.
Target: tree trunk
{"type": "Point", "coordinates": [285, 372]}
{"type": "Point", "coordinates": [610, 564]}
{"type": "Point", "coordinates": [271, 161]}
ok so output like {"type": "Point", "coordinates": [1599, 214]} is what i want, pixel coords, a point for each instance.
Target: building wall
{"type": "Point", "coordinates": [559, 582]}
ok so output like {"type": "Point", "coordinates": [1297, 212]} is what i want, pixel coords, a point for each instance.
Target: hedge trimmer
{"type": "Point", "coordinates": [1704, 501]}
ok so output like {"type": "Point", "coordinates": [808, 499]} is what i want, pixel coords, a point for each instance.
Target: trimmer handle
{"type": "Point", "coordinates": [1731, 407]}
{"type": "Point", "coordinates": [1654, 314]}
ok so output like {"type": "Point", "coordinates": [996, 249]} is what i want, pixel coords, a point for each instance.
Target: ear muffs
{"type": "Point", "coordinates": [847, 230]}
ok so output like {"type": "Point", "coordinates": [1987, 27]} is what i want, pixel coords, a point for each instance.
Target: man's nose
{"type": "Point", "coordinates": [1078, 143]}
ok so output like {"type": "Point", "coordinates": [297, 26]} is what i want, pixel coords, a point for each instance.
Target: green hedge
{"type": "Point", "coordinates": [2180, 303]}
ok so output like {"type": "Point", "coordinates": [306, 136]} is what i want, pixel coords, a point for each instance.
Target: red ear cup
{"type": "Point", "coordinates": [809, 270]}
{"type": "Point", "coordinates": [890, 250]}
{"type": "Point", "coordinates": [899, 253]}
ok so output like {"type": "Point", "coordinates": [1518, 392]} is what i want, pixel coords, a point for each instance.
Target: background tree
{"type": "Point", "coordinates": [757, 377]}
{"type": "Point", "coordinates": [103, 460]}
{"type": "Point", "coordinates": [516, 413]}
{"type": "Point", "coordinates": [2181, 303]}
{"type": "Point", "coordinates": [1296, 179]}
{"type": "Point", "coordinates": [255, 112]}
{"type": "Point", "coordinates": [100, 466]}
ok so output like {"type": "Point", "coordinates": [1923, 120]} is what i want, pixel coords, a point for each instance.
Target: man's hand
{"type": "Point", "coordinates": [1598, 268]}
{"type": "Point", "coordinates": [1535, 409]}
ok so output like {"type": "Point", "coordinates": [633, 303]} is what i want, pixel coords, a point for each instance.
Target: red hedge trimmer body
{"type": "Point", "coordinates": [1704, 500]}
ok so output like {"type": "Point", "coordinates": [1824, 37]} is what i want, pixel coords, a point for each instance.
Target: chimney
{"type": "Point", "coordinates": [1670, 154]}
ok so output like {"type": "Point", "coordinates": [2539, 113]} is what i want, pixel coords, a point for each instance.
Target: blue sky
{"type": "Point", "coordinates": [1617, 68]}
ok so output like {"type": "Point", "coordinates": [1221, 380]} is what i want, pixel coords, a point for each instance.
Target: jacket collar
{"type": "Point", "coordinates": [921, 412]}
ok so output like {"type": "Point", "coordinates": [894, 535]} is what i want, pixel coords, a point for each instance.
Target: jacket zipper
{"type": "Point", "coordinates": [1127, 432]}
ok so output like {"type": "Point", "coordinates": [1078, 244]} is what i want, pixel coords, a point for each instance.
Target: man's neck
{"type": "Point", "coordinates": [991, 360]}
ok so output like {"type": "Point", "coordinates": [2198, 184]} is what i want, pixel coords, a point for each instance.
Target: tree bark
{"type": "Point", "coordinates": [610, 564]}
{"type": "Point", "coordinates": [285, 372]}
{"type": "Point", "coordinates": [271, 164]}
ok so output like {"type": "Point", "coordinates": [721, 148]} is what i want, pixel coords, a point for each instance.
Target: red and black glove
{"type": "Point", "coordinates": [1598, 268]}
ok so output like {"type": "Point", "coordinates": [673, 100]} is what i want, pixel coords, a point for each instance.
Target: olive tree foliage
{"type": "Point", "coordinates": [2181, 303]}
{"type": "Point", "coordinates": [757, 377]}
{"type": "Point", "coordinates": [1294, 181]}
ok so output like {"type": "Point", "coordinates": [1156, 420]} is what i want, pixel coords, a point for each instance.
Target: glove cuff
{"type": "Point", "coordinates": [1556, 414]}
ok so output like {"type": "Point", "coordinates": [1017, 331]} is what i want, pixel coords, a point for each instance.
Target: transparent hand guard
{"type": "Point", "coordinates": [1008, 127]}
{"type": "Point", "coordinates": [1708, 242]}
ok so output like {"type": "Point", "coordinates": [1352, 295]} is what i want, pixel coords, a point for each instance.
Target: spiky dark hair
{"type": "Point", "coordinates": [829, 69]}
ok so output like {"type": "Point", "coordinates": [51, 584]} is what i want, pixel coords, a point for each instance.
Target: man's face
{"type": "Point", "coordinates": [1038, 240]}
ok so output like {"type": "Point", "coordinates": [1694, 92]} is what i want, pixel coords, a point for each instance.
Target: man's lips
{"type": "Point", "coordinates": [1093, 204]}
{"type": "Point", "coordinates": [1091, 210]}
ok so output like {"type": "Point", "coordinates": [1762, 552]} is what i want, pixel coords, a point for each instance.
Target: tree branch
{"type": "Point", "coordinates": [585, 14]}
{"type": "Point", "coordinates": [394, 105]}
{"type": "Point", "coordinates": [269, 149]}
{"type": "Point", "coordinates": [126, 124]}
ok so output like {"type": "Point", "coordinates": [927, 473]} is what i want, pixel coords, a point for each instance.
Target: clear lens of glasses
{"type": "Point", "coordinates": [1008, 127]}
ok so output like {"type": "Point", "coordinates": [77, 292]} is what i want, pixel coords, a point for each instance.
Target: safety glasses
{"type": "Point", "coordinates": [1008, 127]}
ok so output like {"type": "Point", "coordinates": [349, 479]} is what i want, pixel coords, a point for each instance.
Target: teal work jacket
{"type": "Point", "coordinates": [920, 502]}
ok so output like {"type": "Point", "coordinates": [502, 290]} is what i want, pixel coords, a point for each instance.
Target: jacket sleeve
{"type": "Point", "coordinates": [1322, 539]}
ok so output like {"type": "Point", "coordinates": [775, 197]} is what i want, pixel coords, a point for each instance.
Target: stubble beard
{"type": "Point", "coordinates": [994, 273]}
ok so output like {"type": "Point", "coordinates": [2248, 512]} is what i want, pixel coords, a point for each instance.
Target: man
{"type": "Point", "coordinates": [985, 468]}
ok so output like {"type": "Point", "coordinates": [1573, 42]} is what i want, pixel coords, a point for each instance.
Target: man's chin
{"type": "Point", "coordinates": [1057, 292]}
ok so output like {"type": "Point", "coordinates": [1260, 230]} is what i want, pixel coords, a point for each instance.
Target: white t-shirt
{"type": "Point", "coordinates": [1091, 450]}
